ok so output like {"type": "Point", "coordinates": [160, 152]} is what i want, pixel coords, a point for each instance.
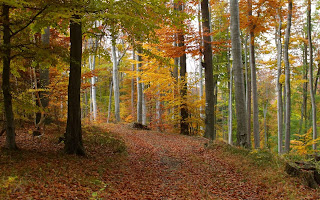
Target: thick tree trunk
{"type": "Point", "coordinates": [7, 97]}
{"type": "Point", "coordinates": [279, 85]}
{"type": "Point", "coordinates": [139, 89]}
{"type": "Point", "coordinates": [73, 140]}
{"type": "Point", "coordinates": [287, 80]}
{"type": "Point", "coordinates": [115, 78]}
{"type": "Point", "coordinates": [313, 104]}
{"type": "Point", "coordinates": [241, 112]}
{"type": "Point", "coordinates": [207, 64]}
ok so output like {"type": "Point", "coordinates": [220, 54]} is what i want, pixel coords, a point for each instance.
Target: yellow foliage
{"type": "Point", "coordinates": [282, 78]}
{"type": "Point", "coordinates": [303, 145]}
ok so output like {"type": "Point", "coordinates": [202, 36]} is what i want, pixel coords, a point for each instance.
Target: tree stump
{"type": "Point", "coordinates": [139, 126]}
{"type": "Point", "coordinates": [306, 171]}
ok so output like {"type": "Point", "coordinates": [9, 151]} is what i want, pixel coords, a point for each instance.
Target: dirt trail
{"type": "Point", "coordinates": [168, 166]}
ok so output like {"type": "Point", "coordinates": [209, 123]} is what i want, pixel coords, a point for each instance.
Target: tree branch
{"type": "Point", "coordinates": [30, 22]}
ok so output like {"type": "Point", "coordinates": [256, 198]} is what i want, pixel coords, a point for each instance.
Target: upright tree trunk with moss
{"type": "Point", "coordinates": [312, 92]}
{"type": "Point", "coordinates": [184, 125]}
{"type": "Point", "coordinates": [241, 112]}
{"type": "Point", "coordinates": [73, 140]}
{"type": "Point", "coordinates": [287, 80]}
{"type": "Point", "coordinates": [7, 97]}
{"type": "Point", "coordinates": [207, 64]}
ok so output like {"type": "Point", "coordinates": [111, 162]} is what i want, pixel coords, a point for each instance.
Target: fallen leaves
{"type": "Point", "coordinates": [153, 165]}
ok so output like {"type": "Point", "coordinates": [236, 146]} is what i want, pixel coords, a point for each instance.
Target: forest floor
{"type": "Point", "coordinates": [123, 163]}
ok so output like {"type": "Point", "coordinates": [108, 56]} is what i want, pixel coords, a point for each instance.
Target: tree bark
{"type": "Point", "coordinates": [312, 92]}
{"type": "Point", "coordinates": [230, 84]}
{"type": "Point", "coordinates": [6, 88]}
{"type": "Point", "coordinates": [241, 112]}
{"type": "Point", "coordinates": [279, 85]}
{"type": "Point", "coordinates": [132, 84]}
{"type": "Point", "coordinates": [144, 106]}
{"type": "Point", "coordinates": [265, 110]}
{"type": "Point", "coordinates": [287, 80]}
{"type": "Point", "coordinates": [139, 89]}
{"type": "Point", "coordinates": [92, 63]}
{"type": "Point", "coordinates": [303, 115]}
{"type": "Point", "coordinates": [73, 140]}
{"type": "Point", "coordinates": [256, 130]}
{"type": "Point", "coordinates": [115, 78]}
{"type": "Point", "coordinates": [200, 60]}
{"type": "Point", "coordinates": [110, 100]}
{"type": "Point", "coordinates": [184, 125]}
{"type": "Point", "coordinates": [248, 92]}
{"type": "Point", "coordinates": [207, 64]}
{"type": "Point", "coordinates": [44, 80]}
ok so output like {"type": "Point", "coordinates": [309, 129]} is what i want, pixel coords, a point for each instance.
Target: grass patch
{"type": "Point", "coordinates": [97, 137]}
{"type": "Point", "coordinates": [264, 169]}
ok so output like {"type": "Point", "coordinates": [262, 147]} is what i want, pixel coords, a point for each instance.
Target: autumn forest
{"type": "Point", "coordinates": [159, 99]}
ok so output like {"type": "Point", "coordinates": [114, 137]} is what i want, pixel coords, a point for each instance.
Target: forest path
{"type": "Point", "coordinates": [171, 166]}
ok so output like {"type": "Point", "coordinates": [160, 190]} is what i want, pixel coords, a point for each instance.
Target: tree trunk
{"type": "Point", "coordinates": [92, 63]}
{"type": "Point", "coordinates": [73, 140]}
{"type": "Point", "coordinates": [303, 115]}
{"type": "Point", "coordinates": [287, 80]}
{"type": "Point", "coordinates": [230, 140]}
{"type": "Point", "coordinates": [132, 84]}
{"type": "Point", "coordinates": [241, 112]}
{"type": "Point", "coordinates": [184, 125]}
{"type": "Point", "coordinates": [44, 80]}
{"type": "Point", "coordinates": [7, 97]}
{"type": "Point", "coordinates": [200, 60]}
{"type": "Point", "coordinates": [279, 85]}
{"type": "Point", "coordinates": [110, 100]}
{"type": "Point", "coordinates": [207, 64]}
{"type": "Point", "coordinates": [265, 110]}
{"type": "Point", "coordinates": [256, 133]}
{"type": "Point", "coordinates": [313, 104]}
{"type": "Point", "coordinates": [139, 89]}
{"type": "Point", "coordinates": [248, 91]}
{"type": "Point", "coordinates": [115, 78]}
{"type": "Point", "coordinates": [144, 106]}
